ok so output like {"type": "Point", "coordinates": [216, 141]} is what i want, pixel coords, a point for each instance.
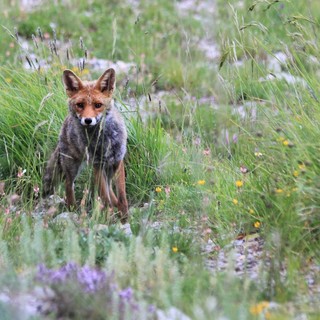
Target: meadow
{"type": "Point", "coordinates": [221, 102]}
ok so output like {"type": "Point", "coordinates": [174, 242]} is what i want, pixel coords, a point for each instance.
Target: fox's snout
{"type": "Point", "coordinates": [89, 121]}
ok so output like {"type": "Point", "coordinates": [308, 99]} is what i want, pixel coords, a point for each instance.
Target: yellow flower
{"type": "Point", "coordinates": [279, 190]}
{"type": "Point", "coordinates": [258, 154]}
{"type": "Point", "coordinates": [281, 139]}
{"type": "Point", "coordinates": [235, 201]}
{"type": "Point", "coordinates": [251, 211]}
{"type": "Point", "coordinates": [285, 142]}
{"type": "Point", "coordinates": [201, 182]}
{"type": "Point", "coordinates": [75, 69]}
{"type": "Point", "coordinates": [158, 189]}
{"type": "Point", "coordinates": [85, 71]}
{"type": "Point", "coordinates": [257, 224]}
{"type": "Point", "coordinates": [259, 307]}
{"type": "Point", "coordinates": [175, 249]}
{"type": "Point", "coordinates": [8, 80]}
{"type": "Point", "coordinates": [295, 173]}
{"type": "Point", "coordinates": [302, 166]}
{"type": "Point", "coordinates": [239, 183]}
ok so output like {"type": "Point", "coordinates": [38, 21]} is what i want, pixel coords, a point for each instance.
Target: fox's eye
{"type": "Point", "coordinates": [98, 105]}
{"type": "Point", "coordinates": [80, 105]}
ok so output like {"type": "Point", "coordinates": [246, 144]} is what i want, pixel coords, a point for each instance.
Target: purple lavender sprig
{"type": "Point", "coordinates": [96, 289]}
{"type": "Point", "coordinates": [91, 280]}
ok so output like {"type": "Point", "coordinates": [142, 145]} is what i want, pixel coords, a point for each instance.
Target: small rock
{"type": "Point", "coordinates": [126, 229]}
{"type": "Point", "coordinates": [64, 217]}
{"type": "Point", "coordinates": [171, 314]}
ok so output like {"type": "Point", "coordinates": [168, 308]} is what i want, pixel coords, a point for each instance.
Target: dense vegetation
{"type": "Point", "coordinates": [222, 148]}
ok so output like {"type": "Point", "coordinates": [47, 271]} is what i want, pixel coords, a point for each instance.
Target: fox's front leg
{"type": "Point", "coordinates": [103, 186]}
{"type": "Point", "coordinates": [70, 198]}
{"type": "Point", "coordinates": [120, 182]}
{"type": "Point", "coordinates": [70, 174]}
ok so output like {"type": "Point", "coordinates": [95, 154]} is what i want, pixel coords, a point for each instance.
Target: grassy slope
{"type": "Point", "coordinates": [278, 146]}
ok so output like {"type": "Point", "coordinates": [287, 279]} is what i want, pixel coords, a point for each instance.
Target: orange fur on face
{"type": "Point", "coordinates": [90, 103]}
{"type": "Point", "coordinates": [89, 100]}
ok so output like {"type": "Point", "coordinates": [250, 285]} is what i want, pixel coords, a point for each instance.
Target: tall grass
{"type": "Point", "coordinates": [243, 167]}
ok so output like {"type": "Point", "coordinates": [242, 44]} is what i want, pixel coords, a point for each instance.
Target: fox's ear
{"type": "Point", "coordinates": [107, 82]}
{"type": "Point", "coordinates": [72, 83]}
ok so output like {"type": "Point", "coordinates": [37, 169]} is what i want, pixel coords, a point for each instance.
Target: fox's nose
{"type": "Point", "coordinates": [88, 121]}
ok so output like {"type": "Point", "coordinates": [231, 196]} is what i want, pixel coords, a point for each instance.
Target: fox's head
{"type": "Point", "coordinates": [89, 100]}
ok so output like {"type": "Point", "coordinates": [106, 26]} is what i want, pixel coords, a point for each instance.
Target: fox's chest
{"type": "Point", "coordinates": [101, 146]}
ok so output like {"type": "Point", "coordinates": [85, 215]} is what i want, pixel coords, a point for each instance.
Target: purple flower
{"type": "Point", "coordinates": [235, 138]}
{"type": "Point", "coordinates": [152, 308]}
{"type": "Point", "coordinates": [126, 294]}
{"type": "Point", "coordinates": [91, 279]}
{"type": "Point", "coordinates": [52, 277]}
{"type": "Point", "coordinates": [72, 283]}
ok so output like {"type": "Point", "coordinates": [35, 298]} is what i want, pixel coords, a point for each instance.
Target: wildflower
{"type": "Point", "coordinates": [235, 138]}
{"type": "Point", "coordinates": [175, 249]}
{"type": "Point", "coordinates": [257, 224]}
{"type": "Point", "coordinates": [207, 231]}
{"type": "Point", "coordinates": [258, 154]}
{"type": "Point", "coordinates": [167, 190]}
{"type": "Point", "coordinates": [206, 152]}
{"type": "Point", "coordinates": [8, 80]}
{"type": "Point", "coordinates": [244, 169]}
{"type": "Point", "coordinates": [285, 142]}
{"type": "Point", "coordinates": [14, 199]}
{"type": "Point", "coordinates": [302, 167]}
{"type": "Point", "coordinates": [152, 308]}
{"type": "Point", "coordinates": [239, 183]}
{"type": "Point", "coordinates": [126, 294]}
{"type": "Point", "coordinates": [91, 279]}
{"type": "Point", "coordinates": [201, 182]}
{"type": "Point", "coordinates": [259, 307]}
{"type": "Point", "coordinates": [158, 189]}
{"type": "Point", "coordinates": [279, 190]}
{"type": "Point", "coordinates": [75, 69]}
{"type": "Point", "coordinates": [85, 71]}
{"type": "Point", "coordinates": [36, 189]}
{"type": "Point", "coordinates": [21, 172]}
{"type": "Point", "coordinates": [197, 141]}
{"type": "Point", "coordinates": [251, 211]}
{"type": "Point", "coordinates": [295, 173]}
{"type": "Point", "coordinates": [235, 201]}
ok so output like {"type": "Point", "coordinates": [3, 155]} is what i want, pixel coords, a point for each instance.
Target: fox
{"type": "Point", "coordinates": [94, 132]}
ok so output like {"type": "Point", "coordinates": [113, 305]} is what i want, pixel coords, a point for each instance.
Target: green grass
{"type": "Point", "coordinates": [245, 164]}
